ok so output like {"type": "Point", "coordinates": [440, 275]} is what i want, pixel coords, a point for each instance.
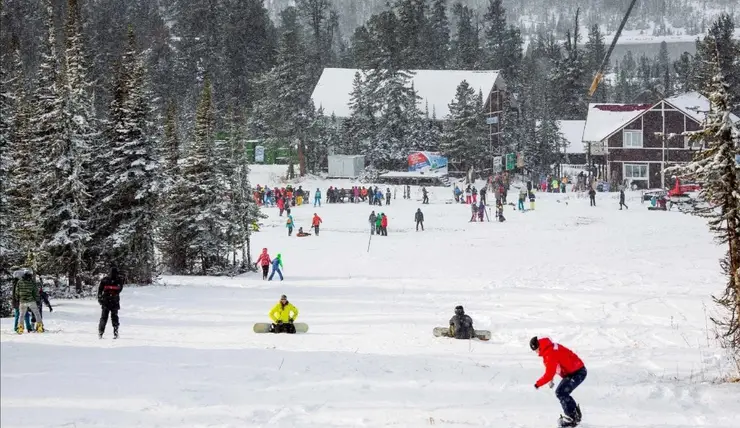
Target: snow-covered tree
{"type": "Point", "coordinates": [464, 128]}
{"type": "Point", "coordinates": [715, 167]}
{"type": "Point", "coordinates": [359, 129]}
{"type": "Point", "coordinates": [131, 189]}
{"type": "Point", "coordinates": [571, 78]}
{"type": "Point", "coordinates": [438, 36]}
{"type": "Point", "coordinates": [466, 44]}
{"type": "Point", "coordinates": [62, 199]}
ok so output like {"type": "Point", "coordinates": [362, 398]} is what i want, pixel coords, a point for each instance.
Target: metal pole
{"type": "Point", "coordinates": [662, 164]}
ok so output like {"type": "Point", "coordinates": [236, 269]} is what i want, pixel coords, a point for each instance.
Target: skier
{"type": "Point", "coordinates": [315, 222]}
{"type": "Point", "coordinates": [419, 218]}
{"type": "Point", "coordinates": [109, 298]}
{"type": "Point", "coordinates": [425, 195]}
{"type": "Point", "coordinates": [372, 219]}
{"type": "Point", "coordinates": [264, 261]}
{"type": "Point", "coordinates": [282, 315]}
{"type": "Point", "coordinates": [26, 293]}
{"type": "Point", "coordinates": [621, 199]}
{"type": "Point", "coordinates": [561, 360]}
{"type": "Point", "coordinates": [317, 198]}
{"type": "Point", "coordinates": [277, 264]}
{"type": "Point", "coordinates": [592, 196]}
{"type": "Point", "coordinates": [289, 224]}
{"type": "Point", "coordinates": [461, 325]}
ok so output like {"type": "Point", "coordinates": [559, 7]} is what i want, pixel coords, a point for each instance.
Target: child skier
{"type": "Point", "coordinates": [283, 314]}
{"type": "Point", "coordinates": [289, 224]}
{"type": "Point", "coordinates": [561, 360]}
{"type": "Point", "coordinates": [277, 264]}
{"type": "Point", "coordinates": [264, 261]}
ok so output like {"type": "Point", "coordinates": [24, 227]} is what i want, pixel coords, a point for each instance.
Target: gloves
{"type": "Point", "coordinates": [536, 387]}
{"type": "Point", "coordinates": [551, 384]}
{"type": "Point", "coordinates": [290, 320]}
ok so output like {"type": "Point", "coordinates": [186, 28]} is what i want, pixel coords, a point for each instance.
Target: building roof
{"type": "Point", "coordinates": [694, 105]}
{"type": "Point", "coordinates": [435, 87]}
{"type": "Point", "coordinates": [572, 132]}
{"type": "Point", "coordinates": [605, 118]}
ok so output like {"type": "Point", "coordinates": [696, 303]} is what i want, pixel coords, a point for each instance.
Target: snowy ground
{"type": "Point", "coordinates": [624, 289]}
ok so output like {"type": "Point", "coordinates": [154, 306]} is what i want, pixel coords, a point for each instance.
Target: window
{"type": "Point", "coordinates": [632, 138]}
{"type": "Point", "coordinates": [693, 145]}
{"type": "Point", "coordinates": [635, 171]}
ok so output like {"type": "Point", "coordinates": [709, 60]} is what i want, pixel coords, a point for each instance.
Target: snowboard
{"type": "Point", "coordinates": [444, 331]}
{"type": "Point", "coordinates": [264, 327]}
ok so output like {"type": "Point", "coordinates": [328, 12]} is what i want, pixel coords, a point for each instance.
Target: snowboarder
{"type": "Point", "coordinates": [283, 314]}
{"type": "Point", "coordinates": [461, 325]}
{"type": "Point", "coordinates": [372, 219]}
{"type": "Point", "coordinates": [289, 224]}
{"type": "Point", "coordinates": [277, 264]}
{"type": "Point", "coordinates": [425, 195]}
{"type": "Point", "coordinates": [26, 293]}
{"type": "Point", "coordinates": [592, 196]}
{"type": "Point", "coordinates": [109, 298]}
{"type": "Point", "coordinates": [264, 261]}
{"type": "Point", "coordinates": [317, 198]}
{"type": "Point", "coordinates": [561, 360]}
{"type": "Point", "coordinates": [621, 199]}
{"type": "Point", "coordinates": [315, 222]}
{"type": "Point", "coordinates": [419, 218]}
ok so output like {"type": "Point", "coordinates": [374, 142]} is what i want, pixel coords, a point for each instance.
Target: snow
{"type": "Point", "coordinates": [605, 118]}
{"type": "Point", "coordinates": [435, 87]}
{"type": "Point", "coordinates": [627, 290]}
{"type": "Point", "coordinates": [572, 131]}
{"type": "Point", "coordinates": [694, 105]}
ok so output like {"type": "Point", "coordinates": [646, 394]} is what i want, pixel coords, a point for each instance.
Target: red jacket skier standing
{"type": "Point", "coordinates": [562, 361]}
{"type": "Point", "coordinates": [264, 261]}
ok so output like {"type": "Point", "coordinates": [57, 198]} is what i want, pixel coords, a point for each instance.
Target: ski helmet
{"type": "Point", "coordinates": [534, 343]}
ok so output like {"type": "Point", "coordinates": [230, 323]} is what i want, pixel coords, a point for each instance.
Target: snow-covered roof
{"type": "Point", "coordinates": [415, 174]}
{"type": "Point", "coordinates": [572, 131]}
{"type": "Point", "coordinates": [435, 87]}
{"type": "Point", "coordinates": [694, 105]}
{"type": "Point", "coordinates": [605, 118]}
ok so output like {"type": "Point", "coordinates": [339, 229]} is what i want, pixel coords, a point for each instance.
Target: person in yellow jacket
{"type": "Point", "coordinates": [282, 315]}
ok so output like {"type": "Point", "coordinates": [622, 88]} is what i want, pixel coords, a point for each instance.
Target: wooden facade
{"type": "Point", "coordinates": [494, 113]}
{"type": "Point", "coordinates": [637, 152]}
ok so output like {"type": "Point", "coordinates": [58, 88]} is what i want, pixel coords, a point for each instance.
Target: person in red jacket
{"type": "Point", "coordinates": [562, 361]}
{"type": "Point", "coordinates": [264, 261]}
{"type": "Point", "coordinates": [315, 223]}
{"type": "Point", "coordinates": [384, 225]}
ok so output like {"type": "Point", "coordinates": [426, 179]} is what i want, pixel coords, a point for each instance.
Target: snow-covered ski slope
{"type": "Point", "coordinates": [625, 289]}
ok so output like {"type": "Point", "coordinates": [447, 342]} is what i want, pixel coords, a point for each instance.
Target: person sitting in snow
{"type": "Point", "coordinates": [461, 325]}
{"type": "Point", "coordinates": [283, 314]}
{"type": "Point", "coordinates": [301, 233]}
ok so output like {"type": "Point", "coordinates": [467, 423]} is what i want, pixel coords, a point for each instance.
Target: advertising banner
{"type": "Point", "coordinates": [427, 161]}
{"type": "Point", "coordinates": [510, 161]}
{"type": "Point", "coordinates": [497, 163]}
{"type": "Point", "coordinates": [520, 160]}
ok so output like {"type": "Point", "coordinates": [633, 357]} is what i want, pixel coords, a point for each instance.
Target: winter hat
{"type": "Point", "coordinates": [284, 297]}
{"type": "Point", "coordinates": [534, 343]}
{"type": "Point", "coordinates": [279, 255]}
{"type": "Point", "coordinates": [459, 310]}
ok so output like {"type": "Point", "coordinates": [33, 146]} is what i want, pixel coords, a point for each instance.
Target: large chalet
{"type": "Point", "coordinates": [435, 88]}
{"type": "Point", "coordinates": [638, 141]}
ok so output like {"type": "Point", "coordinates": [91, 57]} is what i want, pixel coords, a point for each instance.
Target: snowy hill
{"type": "Point", "coordinates": [626, 290]}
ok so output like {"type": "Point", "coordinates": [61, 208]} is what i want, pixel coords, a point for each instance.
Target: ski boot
{"type": "Point", "coordinates": [578, 414]}
{"type": "Point", "coordinates": [115, 333]}
{"type": "Point", "coordinates": [566, 422]}
{"type": "Point", "coordinates": [39, 327]}
{"type": "Point", "coordinates": [19, 329]}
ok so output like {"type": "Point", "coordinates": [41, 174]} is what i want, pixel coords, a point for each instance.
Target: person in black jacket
{"type": "Point", "coordinates": [419, 218]}
{"type": "Point", "coordinates": [109, 298]}
{"type": "Point", "coordinates": [461, 325]}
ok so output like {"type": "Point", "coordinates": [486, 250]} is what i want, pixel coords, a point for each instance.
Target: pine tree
{"type": "Point", "coordinates": [502, 47]}
{"type": "Point", "coordinates": [172, 237]}
{"type": "Point", "coordinates": [6, 106]}
{"type": "Point", "coordinates": [438, 36]}
{"type": "Point", "coordinates": [572, 78]}
{"type": "Point", "coordinates": [199, 205]}
{"type": "Point", "coordinates": [715, 167]}
{"type": "Point", "coordinates": [413, 32]}
{"type": "Point", "coordinates": [593, 54]}
{"type": "Point", "coordinates": [323, 25]}
{"type": "Point", "coordinates": [463, 128]}
{"type": "Point", "coordinates": [130, 191]}
{"type": "Point", "coordinates": [466, 46]}
{"type": "Point", "coordinates": [62, 198]}
{"type": "Point", "coordinates": [359, 129]}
